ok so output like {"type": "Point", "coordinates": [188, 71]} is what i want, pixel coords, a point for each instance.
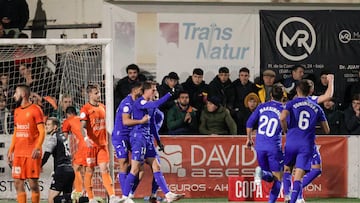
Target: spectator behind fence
{"type": "Point", "coordinates": [197, 88]}
{"type": "Point", "coordinates": [123, 86]}
{"type": "Point", "coordinates": [334, 117]}
{"type": "Point", "coordinates": [352, 116]}
{"type": "Point", "coordinates": [222, 87]}
{"type": "Point", "coordinates": [243, 87]}
{"type": "Point", "coordinates": [169, 82]}
{"type": "Point", "coordinates": [37, 84]}
{"type": "Point", "coordinates": [216, 119]}
{"type": "Point", "coordinates": [66, 101]}
{"type": "Point", "coordinates": [251, 101]}
{"type": "Point", "coordinates": [181, 118]}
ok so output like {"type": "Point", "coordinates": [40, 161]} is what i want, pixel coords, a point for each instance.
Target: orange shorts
{"type": "Point", "coordinates": [79, 158]}
{"type": "Point", "coordinates": [25, 168]}
{"type": "Point", "coordinates": [96, 155]}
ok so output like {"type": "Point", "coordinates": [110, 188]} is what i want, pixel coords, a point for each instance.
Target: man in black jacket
{"type": "Point", "coordinates": [123, 86]}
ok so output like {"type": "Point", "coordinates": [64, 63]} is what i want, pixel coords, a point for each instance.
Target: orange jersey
{"type": "Point", "coordinates": [95, 123]}
{"type": "Point", "coordinates": [73, 125]}
{"type": "Point", "coordinates": [26, 134]}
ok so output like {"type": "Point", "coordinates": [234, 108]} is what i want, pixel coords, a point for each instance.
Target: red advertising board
{"type": "Point", "coordinates": [245, 189]}
{"type": "Point", "coordinates": [200, 166]}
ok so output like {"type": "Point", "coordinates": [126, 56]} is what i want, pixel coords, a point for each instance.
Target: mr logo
{"type": "Point", "coordinates": [302, 41]}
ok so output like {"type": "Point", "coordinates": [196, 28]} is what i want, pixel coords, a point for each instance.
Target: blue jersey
{"type": "Point", "coordinates": [268, 135]}
{"type": "Point", "coordinates": [304, 116]}
{"type": "Point", "coordinates": [142, 107]}
{"type": "Point", "coordinates": [125, 107]}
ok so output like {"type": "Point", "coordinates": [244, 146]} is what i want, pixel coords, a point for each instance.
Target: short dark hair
{"type": "Point", "coordinates": [295, 67]}
{"type": "Point", "coordinates": [71, 110]}
{"type": "Point", "coordinates": [305, 86]}
{"type": "Point", "coordinates": [183, 92]}
{"type": "Point", "coordinates": [244, 69]}
{"type": "Point", "coordinates": [356, 96]}
{"type": "Point", "coordinates": [223, 70]}
{"type": "Point", "coordinates": [132, 67]}
{"type": "Point", "coordinates": [25, 88]}
{"type": "Point", "coordinates": [198, 71]}
{"type": "Point", "coordinates": [136, 84]}
{"type": "Point", "coordinates": [277, 91]}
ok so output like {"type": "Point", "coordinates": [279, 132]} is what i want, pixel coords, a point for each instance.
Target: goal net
{"type": "Point", "coordinates": [55, 70]}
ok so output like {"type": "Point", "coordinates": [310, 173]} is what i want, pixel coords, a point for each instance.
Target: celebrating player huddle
{"type": "Point", "coordinates": [137, 123]}
{"type": "Point", "coordinates": [297, 119]}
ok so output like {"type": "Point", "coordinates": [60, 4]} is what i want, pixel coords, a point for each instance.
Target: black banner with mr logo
{"type": "Point", "coordinates": [326, 40]}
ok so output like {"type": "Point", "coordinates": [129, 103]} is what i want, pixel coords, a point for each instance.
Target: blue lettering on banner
{"type": "Point", "coordinates": [207, 35]}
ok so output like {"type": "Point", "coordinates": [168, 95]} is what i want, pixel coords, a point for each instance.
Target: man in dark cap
{"type": "Point", "coordinates": [171, 81]}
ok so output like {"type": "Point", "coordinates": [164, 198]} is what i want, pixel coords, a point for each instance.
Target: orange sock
{"type": "Point", "coordinates": [78, 182]}
{"type": "Point", "coordinates": [107, 182]}
{"type": "Point", "coordinates": [21, 197]}
{"type": "Point", "coordinates": [88, 185]}
{"type": "Point", "coordinates": [35, 197]}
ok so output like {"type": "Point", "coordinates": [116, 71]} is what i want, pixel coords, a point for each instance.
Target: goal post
{"type": "Point", "coordinates": [57, 67]}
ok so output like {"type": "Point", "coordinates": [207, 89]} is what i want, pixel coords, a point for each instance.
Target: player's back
{"type": "Point", "coordinates": [58, 146]}
{"type": "Point", "coordinates": [26, 135]}
{"type": "Point", "coordinates": [73, 125]}
{"type": "Point", "coordinates": [304, 116]}
{"type": "Point", "coordinates": [268, 135]}
{"type": "Point", "coordinates": [96, 124]}
{"type": "Point", "coordinates": [125, 107]}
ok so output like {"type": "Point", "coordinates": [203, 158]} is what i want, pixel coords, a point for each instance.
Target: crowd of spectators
{"type": "Point", "coordinates": [223, 106]}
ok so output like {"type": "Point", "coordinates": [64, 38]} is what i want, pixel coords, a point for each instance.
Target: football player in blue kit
{"type": "Point", "coordinates": [303, 115]}
{"type": "Point", "coordinates": [268, 141]}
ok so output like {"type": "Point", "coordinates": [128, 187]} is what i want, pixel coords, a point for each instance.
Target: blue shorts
{"type": "Point", "coordinates": [316, 159]}
{"type": "Point", "coordinates": [270, 160]}
{"type": "Point", "coordinates": [121, 146]}
{"type": "Point", "coordinates": [150, 148]}
{"type": "Point", "coordinates": [138, 146]}
{"type": "Point", "coordinates": [298, 156]}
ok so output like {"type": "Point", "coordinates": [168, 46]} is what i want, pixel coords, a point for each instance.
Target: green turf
{"type": "Point", "coordinates": [223, 200]}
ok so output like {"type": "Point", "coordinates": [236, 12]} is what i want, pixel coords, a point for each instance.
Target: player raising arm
{"type": "Point", "coordinates": [300, 135]}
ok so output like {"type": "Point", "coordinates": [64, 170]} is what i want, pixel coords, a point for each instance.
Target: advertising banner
{"type": "Point", "coordinates": [200, 166]}
{"type": "Point", "coordinates": [207, 41]}
{"type": "Point", "coordinates": [318, 40]}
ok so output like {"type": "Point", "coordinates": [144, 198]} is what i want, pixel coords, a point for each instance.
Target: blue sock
{"type": "Point", "coordinates": [136, 183]}
{"type": "Point", "coordinates": [130, 179]}
{"type": "Point", "coordinates": [122, 179]}
{"type": "Point", "coordinates": [274, 192]}
{"type": "Point", "coordinates": [267, 176]}
{"type": "Point", "coordinates": [300, 196]}
{"type": "Point", "coordinates": [154, 187]}
{"type": "Point", "coordinates": [309, 177]}
{"type": "Point", "coordinates": [295, 191]}
{"type": "Point", "coordinates": [160, 180]}
{"type": "Point", "coordinates": [287, 183]}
